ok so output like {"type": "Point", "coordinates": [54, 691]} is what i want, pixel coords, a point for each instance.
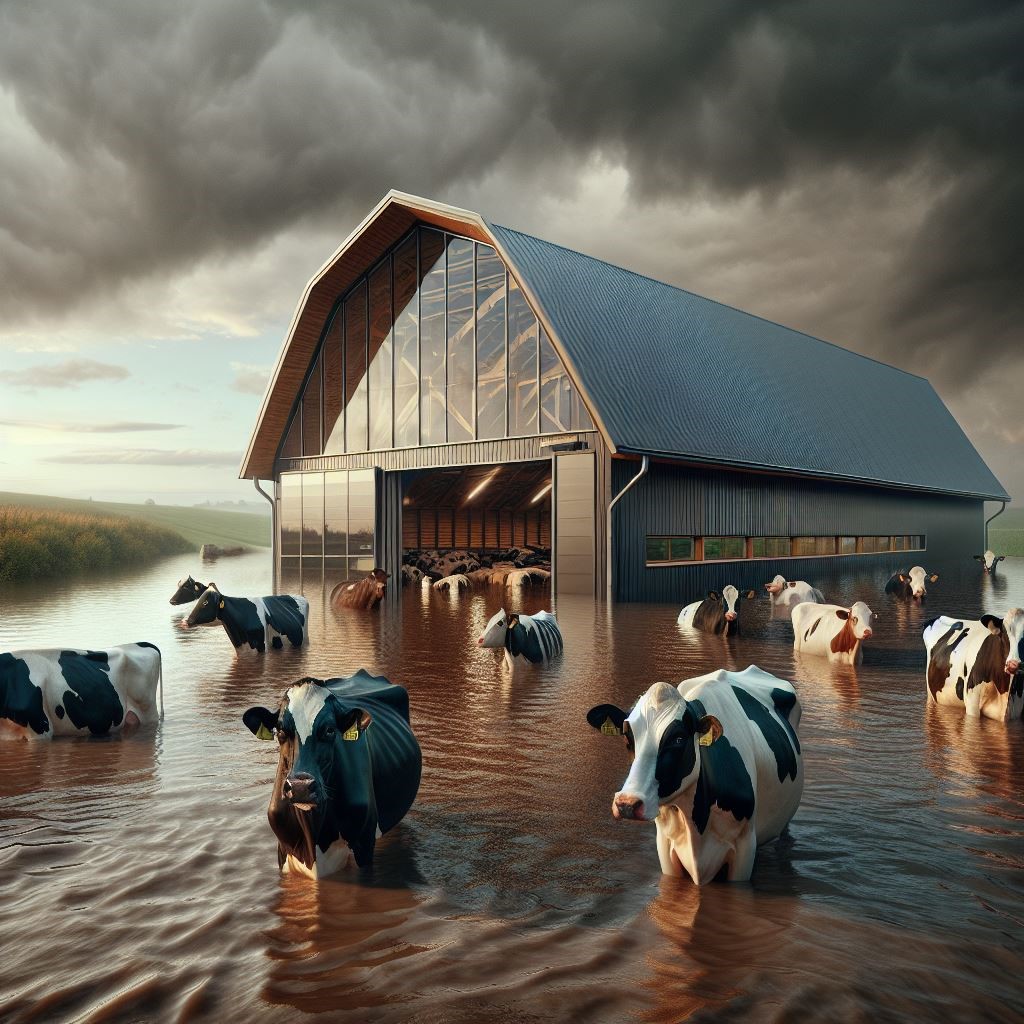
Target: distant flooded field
{"type": "Point", "coordinates": [139, 880]}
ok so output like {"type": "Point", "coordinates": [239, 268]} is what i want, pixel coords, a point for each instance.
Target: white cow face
{"type": "Point", "coordinates": [990, 560]}
{"type": "Point", "coordinates": [495, 630]}
{"type": "Point", "coordinates": [663, 731]}
{"type": "Point", "coordinates": [918, 577]}
{"type": "Point", "coordinates": [1013, 623]}
{"type": "Point", "coordinates": [776, 586]}
{"type": "Point", "coordinates": [731, 596]}
{"type": "Point", "coordinates": [861, 619]}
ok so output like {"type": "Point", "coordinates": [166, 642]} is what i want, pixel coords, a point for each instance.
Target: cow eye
{"type": "Point", "coordinates": [854, 619]}
{"type": "Point", "coordinates": [329, 732]}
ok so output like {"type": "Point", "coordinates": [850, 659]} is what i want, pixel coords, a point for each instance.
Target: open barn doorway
{"type": "Point", "coordinates": [490, 523]}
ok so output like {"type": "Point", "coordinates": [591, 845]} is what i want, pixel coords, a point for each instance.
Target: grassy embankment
{"type": "Point", "coordinates": [1006, 534]}
{"type": "Point", "coordinates": [42, 536]}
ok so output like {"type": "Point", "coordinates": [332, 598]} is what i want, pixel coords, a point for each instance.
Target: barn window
{"type": "Point", "coordinates": [724, 547]}
{"type": "Point", "coordinates": [669, 549]}
{"type": "Point", "coordinates": [769, 547]}
{"type": "Point", "coordinates": [805, 546]}
{"type": "Point", "coordinates": [847, 545]}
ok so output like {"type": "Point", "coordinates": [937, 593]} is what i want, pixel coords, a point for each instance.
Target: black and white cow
{"type": "Point", "coordinates": [990, 560]}
{"type": "Point", "coordinates": [831, 631]}
{"type": "Point", "coordinates": [189, 590]}
{"type": "Point", "coordinates": [717, 613]}
{"type": "Point", "coordinates": [259, 622]}
{"type": "Point", "coordinates": [348, 770]}
{"type": "Point", "coordinates": [535, 638]}
{"type": "Point", "coordinates": [789, 593]}
{"type": "Point", "coordinates": [911, 584]}
{"type": "Point", "coordinates": [716, 764]}
{"type": "Point", "coordinates": [56, 692]}
{"type": "Point", "coordinates": [976, 664]}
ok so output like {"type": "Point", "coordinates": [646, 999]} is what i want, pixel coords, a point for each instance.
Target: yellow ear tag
{"type": "Point", "coordinates": [222, 604]}
{"type": "Point", "coordinates": [707, 738]}
{"type": "Point", "coordinates": [263, 733]}
{"type": "Point", "coordinates": [351, 733]}
{"type": "Point", "coordinates": [609, 729]}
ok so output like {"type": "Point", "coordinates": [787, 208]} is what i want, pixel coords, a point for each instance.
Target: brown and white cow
{"type": "Point", "coordinates": [366, 593]}
{"type": "Point", "coordinates": [831, 631]}
{"type": "Point", "coordinates": [911, 583]}
{"type": "Point", "coordinates": [976, 664]}
{"type": "Point", "coordinates": [789, 593]}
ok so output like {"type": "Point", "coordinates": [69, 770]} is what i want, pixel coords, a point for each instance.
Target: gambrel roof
{"type": "Point", "coordinates": [668, 373]}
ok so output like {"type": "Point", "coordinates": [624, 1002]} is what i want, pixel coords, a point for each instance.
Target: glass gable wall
{"type": "Point", "coordinates": [436, 344]}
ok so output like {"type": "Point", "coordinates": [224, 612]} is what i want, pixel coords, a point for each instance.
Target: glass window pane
{"type": "Point", "coordinates": [490, 343]}
{"type": "Point", "coordinates": [724, 547]}
{"type": "Point", "coordinates": [312, 515]}
{"type": "Point", "coordinates": [290, 512]}
{"type": "Point", "coordinates": [292, 447]}
{"type": "Point", "coordinates": [803, 545]}
{"type": "Point", "coordinates": [355, 369]}
{"type": "Point", "coordinates": [311, 440]}
{"type": "Point", "coordinates": [681, 549]}
{"type": "Point", "coordinates": [770, 547]}
{"type": "Point", "coordinates": [432, 338]}
{"type": "Point", "coordinates": [334, 422]}
{"type": "Point", "coordinates": [883, 543]}
{"type": "Point", "coordinates": [555, 390]}
{"type": "Point", "coordinates": [522, 363]}
{"type": "Point", "coordinates": [847, 545]}
{"type": "Point", "coordinates": [580, 418]}
{"type": "Point", "coordinates": [361, 499]}
{"type": "Point", "coordinates": [898, 543]}
{"type": "Point", "coordinates": [657, 549]}
{"type": "Point", "coordinates": [407, 374]}
{"type": "Point", "coordinates": [461, 339]}
{"type": "Point", "coordinates": [380, 356]}
{"type": "Point", "coordinates": [336, 514]}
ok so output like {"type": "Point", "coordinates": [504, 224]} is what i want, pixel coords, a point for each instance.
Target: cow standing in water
{"type": "Point", "coordinates": [45, 693]}
{"type": "Point", "coordinates": [189, 590]}
{"type": "Point", "coordinates": [989, 560]}
{"type": "Point", "coordinates": [789, 593]}
{"type": "Point", "coordinates": [831, 631]}
{"type": "Point", "coordinates": [348, 770]}
{"type": "Point", "coordinates": [534, 638]}
{"type": "Point", "coordinates": [717, 613]}
{"type": "Point", "coordinates": [911, 584]}
{"type": "Point", "coordinates": [259, 622]}
{"type": "Point", "coordinates": [976, 664]}
{"type": "Point", "coordinates": [366, 593]}
{"type": "Point", "coordinates": [716, 765]}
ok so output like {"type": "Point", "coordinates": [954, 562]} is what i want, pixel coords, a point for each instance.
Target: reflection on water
{"type": "Point", "coordinates": [144, 866]}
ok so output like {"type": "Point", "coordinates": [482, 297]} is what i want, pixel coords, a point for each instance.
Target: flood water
{"type": "Point", "coordinates": [139, 880]}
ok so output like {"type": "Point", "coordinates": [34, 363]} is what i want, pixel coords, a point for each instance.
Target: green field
{"type": "Point", "coordinates": [1006, 534]}
{"type": "Point", "coordinates": [197, 525]}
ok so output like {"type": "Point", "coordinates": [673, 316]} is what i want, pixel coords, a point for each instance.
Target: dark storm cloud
{"type": "Point", "coordinates": [153, 135]}
{"type": "Point", "coordinates": [146, 457]}
{"type": "Point", "coordinates": [69, 373]}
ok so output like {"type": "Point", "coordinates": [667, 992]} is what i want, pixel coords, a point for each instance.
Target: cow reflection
{"type": "Point", "coordinates": [823, 684]}
{"type": "Point", "coordinates": [722, 944]}
{"type": "Point", "coordinates": [983, 755]}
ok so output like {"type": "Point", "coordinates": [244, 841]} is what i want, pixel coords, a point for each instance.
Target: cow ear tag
{"type": "Point", "coordinates": [707, 738]}
{"type": "Point", "coordinates": [352, 732]}
{"type": "Point", "coordinates": [222, 604]}
{"type": "Point", "coordinates": [263, 733]}
{"type": "Point", "coordinates": [609, 729]}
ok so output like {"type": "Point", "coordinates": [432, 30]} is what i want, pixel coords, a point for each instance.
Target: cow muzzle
{"type": "Point", "coordinates": [1012, 666]}
{"type": "Point", "coordinates": [867, 633]}
{"type": "Point", "coordinates": [730, 616]}
{"type": "Point", "coordinates": [629, 807]}
{"type": "Point", "coordinates": [300, 790]}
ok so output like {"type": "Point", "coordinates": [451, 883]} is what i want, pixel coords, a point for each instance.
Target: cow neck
{"type": "Point", "coordinates": [233, 622]}
{"type": "Point", "coordinates": [845, 640]}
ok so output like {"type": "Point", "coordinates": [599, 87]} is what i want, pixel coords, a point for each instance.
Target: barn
{"type": "Point", "coordinates": [448, 384]}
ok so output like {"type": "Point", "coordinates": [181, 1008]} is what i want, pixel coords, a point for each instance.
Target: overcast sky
{"type": "Point", "coordinates": [171, 175]}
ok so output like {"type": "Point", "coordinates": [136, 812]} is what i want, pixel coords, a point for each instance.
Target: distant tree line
{"type": "Point", "coordinates": [40, 543]}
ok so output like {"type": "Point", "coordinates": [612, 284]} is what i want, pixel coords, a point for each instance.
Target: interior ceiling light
{"type": "Point", "coordinates": [540, 494]}
{"type": "Point", "coordinates": [483, 483]}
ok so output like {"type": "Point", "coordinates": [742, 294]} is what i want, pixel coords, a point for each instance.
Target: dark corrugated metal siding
{"type": "Point", "coordinates": [683, 501]}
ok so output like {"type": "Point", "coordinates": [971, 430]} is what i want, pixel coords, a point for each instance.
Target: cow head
{"type": "Point", "coordinates": [188, 590]}
{"type": "Point", "coordinates": [1012, 626]}
{"type": "Point", "coordinates": [917, 578]}
{"type": "Point", "coordinates": [776, 586]}
{"type": "Point", "coordinates": [207, 609]}
{"type": "Point", "coordinates": [380, 584]}
{"type": "Point", "coordinates": [731, 598]}
{"type": "Point", "coordinates": [324, 789]}
{"type": "Point", "coordinates": [496, 630]}
{"type": "Point", "coordinates": [663, 732]}
{"type": "Point", "coordinates": [989, 560]}
{"type": "Point", "coordinates": [858, 618]}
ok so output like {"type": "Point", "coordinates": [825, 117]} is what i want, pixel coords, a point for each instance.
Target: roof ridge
{"type": "Point", "coordinates": [716, 302]}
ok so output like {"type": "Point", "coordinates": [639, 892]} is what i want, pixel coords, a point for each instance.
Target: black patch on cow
{"type": "Point", "coordinates": [242, 623]}
{"type": "Point", "coordinates": [91, 701]}
{"type": "Point", "coordinates": [960, 688]}
{"type": "Point", "coordinates": [710, 616]}
{"type": "Point", "coordinates": [286, 617]}
{"type": "Point", "coordinates": [990, 663]}
{"type": "Point", "coordinates": [1017, 685]}
{"type": "Point", "coordinates": [676, 753]}
{"type": "Point", "coordinates": [59, 711]}
{"type": "Point", "coordinates": [942, 650]}
{"type": "Point", "coordinates": [21, 700]}
{"type": "Point", "coordinates": [146, 643]}
{"type": "Point", "coordinates": [814, 626]}
{"type": "Point", "coordinates": [901, 588]}
{"type": "Point", "coordinates": [723, 781]}
{"type": "Point", "coordinates": [777, 736]}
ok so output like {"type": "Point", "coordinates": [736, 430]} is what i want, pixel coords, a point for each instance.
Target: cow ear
{"type": "Point", "coordinates": [714, 595]}
{"type": "Point", "coordinates": [261, 722]}
{"type": "Point", "coordinates": [607, 719]}
{"type": "Point", "coordinates": [709, 729]}
{"type": "Point", "coordinates": [842, 613]}
{"type": "Point", "coordinates": [994, 624]}
{"type": "Point", "coordinates": [750, 594]}
{"type": "Point", "coordinates": [354, 724]}
{"type": "Point", "coordinates": [934, 578]}
{"type": "Point", "coordinates": [512, 620]}
{"type": "Point", "coordinates": [902, 578]}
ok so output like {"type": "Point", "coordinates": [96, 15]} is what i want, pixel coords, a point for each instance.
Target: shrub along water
{"type": "Point", "coordinates": [37, 543]}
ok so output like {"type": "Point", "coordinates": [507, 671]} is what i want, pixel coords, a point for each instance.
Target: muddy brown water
{"type": "Point", "coordinates": [139, 881]}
